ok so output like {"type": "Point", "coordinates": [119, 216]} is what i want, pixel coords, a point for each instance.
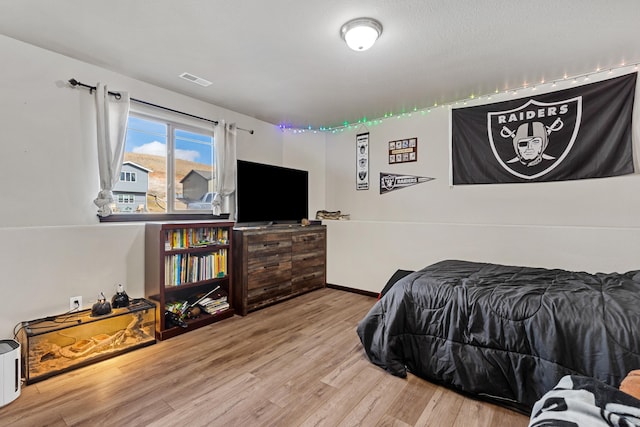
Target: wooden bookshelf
{"type": "Point", "coordinates": [185, 261]}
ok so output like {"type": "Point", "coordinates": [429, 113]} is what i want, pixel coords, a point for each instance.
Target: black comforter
{"type": "Point", "coordinates": [506, 333]}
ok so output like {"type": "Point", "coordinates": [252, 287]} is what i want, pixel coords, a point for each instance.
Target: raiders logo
{"type": "Point", "coordinates": [532, 140]}
{"type": "Point", "coordinates": [388, 182]}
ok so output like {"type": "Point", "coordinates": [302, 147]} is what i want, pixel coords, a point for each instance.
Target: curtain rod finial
{"type": "Point", "coordinates": [73, 82]}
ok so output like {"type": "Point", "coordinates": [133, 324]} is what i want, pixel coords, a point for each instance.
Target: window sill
{"type": "Point", "coordinates": [163, 217]}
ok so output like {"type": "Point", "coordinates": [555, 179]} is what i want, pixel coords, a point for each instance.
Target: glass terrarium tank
{"type": "Point", "coordinates": [58, 344]}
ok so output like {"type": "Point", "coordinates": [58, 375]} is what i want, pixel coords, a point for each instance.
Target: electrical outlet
{"type": "Point", "coordinates": [75, 303]}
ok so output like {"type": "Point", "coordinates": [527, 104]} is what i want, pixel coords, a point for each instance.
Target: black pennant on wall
{"type": "Point", "coordinates": [391, 181]}
{"type": "Point", "coordinates": [576, 133]}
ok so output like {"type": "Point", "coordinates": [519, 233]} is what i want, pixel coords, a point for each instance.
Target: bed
{"type": "Point", "coordinates": [506, 333]}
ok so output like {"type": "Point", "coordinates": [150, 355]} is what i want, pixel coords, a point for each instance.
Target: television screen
{"type": "Point", "coordinates": [271, 194]}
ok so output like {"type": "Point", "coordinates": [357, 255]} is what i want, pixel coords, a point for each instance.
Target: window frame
{"type": "Point", "coordinates": [173, 121]}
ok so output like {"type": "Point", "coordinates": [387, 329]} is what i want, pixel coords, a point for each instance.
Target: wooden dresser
{"type": "Point", "coordinates": [274, 263]}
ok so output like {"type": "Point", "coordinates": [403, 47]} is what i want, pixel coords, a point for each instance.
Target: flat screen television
{"type": "Point", "coordinates": [269, 194]}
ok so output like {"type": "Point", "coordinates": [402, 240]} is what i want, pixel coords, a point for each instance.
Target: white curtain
{"type": "Point", "coordinates": [224, 139]}
{"type": "Point", "coordinates": [112, 115]}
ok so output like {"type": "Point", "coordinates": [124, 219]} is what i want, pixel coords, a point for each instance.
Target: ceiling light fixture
{"type": "Point", "coordinates": [361, 33]}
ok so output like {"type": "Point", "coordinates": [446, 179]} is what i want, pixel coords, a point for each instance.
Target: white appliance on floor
{"type": "Point", "coordinates": [9, 371]}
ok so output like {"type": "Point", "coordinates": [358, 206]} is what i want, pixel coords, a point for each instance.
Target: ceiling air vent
{"type": "Point", "coordinates": [195, 79]}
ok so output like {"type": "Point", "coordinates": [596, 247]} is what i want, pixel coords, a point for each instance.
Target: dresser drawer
{"type": "Point", "coordinates": [268, 244]}
{"type": "Point", "coordinates": [312, 279]}
{"type": "Point", "coordinates": [267, 294]}
{"type": "Point", "coordinates": [267, 261]}
{"type": "Point", "coordinates": [268, 272]}
{"type": "Point", "coordinates": [308, 242]}
{"type": "Point", "coordinates": [303, 260]}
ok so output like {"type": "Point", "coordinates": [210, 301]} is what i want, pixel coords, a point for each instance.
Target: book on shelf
{"type": "Point", "coordinates": [216, 308]}
{"type": "Point", "coordinates": [188, 267]}
{"type": "Point", "coordinates": [214, 295]}
{"type": "Point", "coordinates": [214, 302]}
{"type": "Point", "coordinates": [184, 238]}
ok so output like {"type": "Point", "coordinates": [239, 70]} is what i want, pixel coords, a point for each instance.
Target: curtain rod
{"type": "Point", "coordinates": [74, 82]}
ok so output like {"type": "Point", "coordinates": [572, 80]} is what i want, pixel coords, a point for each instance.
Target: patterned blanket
{"type": "Point", "coordinates": [585, 402]}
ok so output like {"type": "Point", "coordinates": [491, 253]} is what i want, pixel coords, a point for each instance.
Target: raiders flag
{"type": "Point", "coordinates": [576, 133]}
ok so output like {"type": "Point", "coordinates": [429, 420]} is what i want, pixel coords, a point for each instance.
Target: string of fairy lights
{"type": "Point", "coordinates": [521, 90]}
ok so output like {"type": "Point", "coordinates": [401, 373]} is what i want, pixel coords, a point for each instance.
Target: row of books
{"type": "Point", "coordinates": [183, 238]}
{"type": "Point", "coordinates": [188, 268]}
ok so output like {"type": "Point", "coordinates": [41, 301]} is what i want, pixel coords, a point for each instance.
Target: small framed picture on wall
{"type": "Point", "coordinates": [403, 150]}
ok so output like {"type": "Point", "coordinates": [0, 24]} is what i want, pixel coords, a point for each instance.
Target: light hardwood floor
{"type": "Point", "coordinates": [297, 363]}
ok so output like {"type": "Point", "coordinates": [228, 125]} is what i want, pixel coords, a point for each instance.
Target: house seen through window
{"type": "Point", "coordinates": [167, 167]}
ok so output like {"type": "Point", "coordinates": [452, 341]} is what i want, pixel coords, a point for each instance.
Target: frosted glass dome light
{"type": "Point", "coordinates": [361, 33]}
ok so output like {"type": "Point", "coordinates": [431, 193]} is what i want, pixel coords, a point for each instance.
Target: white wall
{"type": "Point", "coordinates": [53, 244]}
{"type": "Point", "coordinates": [42, 267]}
{"type": "Point", "coordinates": [591, 225]}
{"type": "Point", "coordinates": [364, 254]}
{"type": "Point", "coordinates": [309, 154]}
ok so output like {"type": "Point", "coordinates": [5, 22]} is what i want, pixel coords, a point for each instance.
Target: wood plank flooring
{"type": "Point", "coordinates": [297, 363]}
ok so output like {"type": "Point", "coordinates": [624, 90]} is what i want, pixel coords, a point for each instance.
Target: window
{"type": "Point", "coordinates": [175, 160]}
{"type": "Point", "coordinates": [128, 176]}
{"type": "Point", "coordinates": [126, 198]}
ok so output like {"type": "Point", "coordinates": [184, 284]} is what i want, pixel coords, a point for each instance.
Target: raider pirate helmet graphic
{"type": "Point", "coordinates": [530, 142]}
{"type": "Point", "coordinates": [533, 139]}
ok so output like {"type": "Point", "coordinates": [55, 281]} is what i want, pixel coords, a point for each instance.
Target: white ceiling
{"type": "Point", "coordinates": [283, 61]}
